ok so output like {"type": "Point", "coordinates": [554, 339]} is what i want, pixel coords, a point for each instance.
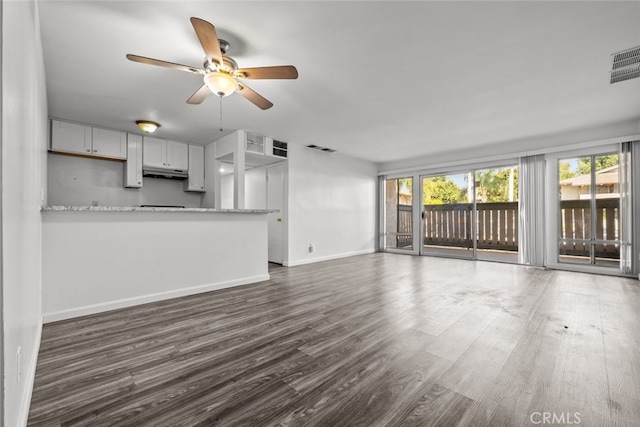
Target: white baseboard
{"type": "Point", "coordinates": [327, 258]}
{"type": "Point", "coordinates": [128, 302]}
{"type": "Point", "coordinates": [25, 403]}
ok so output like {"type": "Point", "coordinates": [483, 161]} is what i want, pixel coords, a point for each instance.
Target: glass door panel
{"type": "Point", "coordinates": [399, 213]}
{"type": "Point", "coordinates": [448, 215]}
{"type": "Point", "coordinates": [497, 217]}
{"type": "Point", "coordinates": [589, 210]}
{"type": "Point", "coordinates": [607, 208]}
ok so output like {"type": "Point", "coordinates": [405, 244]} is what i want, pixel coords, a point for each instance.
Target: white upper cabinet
{"type": "Point", "coordinates": [195, 182]}
{"type": "Point", "coordinates": [160, 153]}
{"type": "Point", "coordinates": [109, 143]}
{"type": "Point", "coordinates": [154, 152]}
{"type": "Point", "coordinates": [70, 138]}
{"type": "Point", "coordinates": [133, 165]}
{"type": "Point", "coordinates": [177, 155]}
{"type": "Point", "coordinates": [88, 141]}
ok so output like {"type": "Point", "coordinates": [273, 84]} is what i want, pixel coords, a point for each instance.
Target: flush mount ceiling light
{"type": "Point", "coordinates": [147, 126]}
{"type": "Point", "coordinates": [220, 83]}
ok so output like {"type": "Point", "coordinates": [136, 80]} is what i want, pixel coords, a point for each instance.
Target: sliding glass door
{"type": "Point", "coordinates": [497, 214]}
{"type": "Point", "coordinates": [398, 213]}
{"type": "Point", "coordinates": [447, 215]}
{"type": "Point", "coordinates": [472, 214]}
{"type": "Point", "coordinates": [589, 210]}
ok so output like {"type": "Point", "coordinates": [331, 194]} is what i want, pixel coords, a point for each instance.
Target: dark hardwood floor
{"type": "Point", "coordinates": [374, 340]}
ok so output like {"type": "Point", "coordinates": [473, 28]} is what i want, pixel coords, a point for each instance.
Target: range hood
{"type": "Point", "coordinates": [152, 172]}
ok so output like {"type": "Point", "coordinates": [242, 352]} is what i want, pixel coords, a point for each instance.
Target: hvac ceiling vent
{"type": "Point", "coordinates": [325, 149]}
{"type": "Point", "coordinates": [625, 65]}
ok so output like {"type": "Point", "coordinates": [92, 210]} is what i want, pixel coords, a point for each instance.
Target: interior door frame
{"type": "Point", "coordinates": [283, 214]}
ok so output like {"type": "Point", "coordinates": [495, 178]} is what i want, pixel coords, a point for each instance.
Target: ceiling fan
{"type": "Point", "coordinates": [221, 72]}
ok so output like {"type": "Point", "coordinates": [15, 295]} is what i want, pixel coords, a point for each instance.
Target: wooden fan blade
{"type": "Point", "coordinates": [158, 62]}
{"type": "Point", "coordinates": [278, 72]}
{"type": "Point", "coordinates": [254, 97]}
{"type": "Point", "coordinates": [199, 95]}
{"type": "Point", "coordinates": [208, 37]}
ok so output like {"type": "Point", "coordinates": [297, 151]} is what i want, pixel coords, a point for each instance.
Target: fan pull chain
{"type": "Point", "coordinates": [220, 114]}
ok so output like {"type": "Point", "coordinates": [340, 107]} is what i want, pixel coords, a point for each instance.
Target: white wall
{"type": "Point", "coordinates": [208, 200]}
{"type": "Point", "coordinates": [78, 181]}
{"type": "Point", "coordinates": [226, 191]}
{"type": "Point", "coordinates": [24, 136]}
{"type": "Point", "coordinates": [255, 189]}
{"type": "Point", "coordinates": [538, 144]}
{"type": "Point", "coordinates": [332, 205]}
{"type": "Point", "coordinates": [98, 261]}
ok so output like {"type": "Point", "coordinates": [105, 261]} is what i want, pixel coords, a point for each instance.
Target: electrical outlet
{"type": "Point", "coordinates": [18, 364]}
{"type": "Point", "coordinates": [311, 248]}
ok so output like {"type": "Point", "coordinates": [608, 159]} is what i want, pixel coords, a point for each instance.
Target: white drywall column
{"type": "Point", "coordinates": [238, 171]}
{"type": "Point", "coordinates": [23, 153]}
{"type": "Point", "coordinates": [217, 184]}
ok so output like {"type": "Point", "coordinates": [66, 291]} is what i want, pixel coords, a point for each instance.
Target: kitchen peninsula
{"type": "Point", "coordinates": [98, 258]}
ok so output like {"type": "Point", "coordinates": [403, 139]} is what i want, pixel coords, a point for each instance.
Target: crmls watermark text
{"type": "Point", "coordinates": [562, 418]}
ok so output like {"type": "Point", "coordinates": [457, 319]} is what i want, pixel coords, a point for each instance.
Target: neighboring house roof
{"type": "Point", "coordinates": [604, 176]}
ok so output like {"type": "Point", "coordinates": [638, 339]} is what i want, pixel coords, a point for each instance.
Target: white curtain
{"type": "Point", "coordinates": [629, 215]}
{"type": "Point", "coordinates": [531, 193]}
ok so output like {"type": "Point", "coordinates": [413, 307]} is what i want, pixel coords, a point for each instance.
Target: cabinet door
{"type": "Point", "coordinates": [133, 165]}
{"type": "Point", "coordinates": [195, 182]}
{"type": "Point", "coordinates": [177, 155]}
{"type": "Point", "coordinates": [154, 152]}
{"type": "Point", "coordinates": [70, 138]}
{"type": "Point", "coordinates": [109, 143]}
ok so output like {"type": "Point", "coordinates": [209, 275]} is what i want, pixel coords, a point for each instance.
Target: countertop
{"type": "Point", "coordinates": [139, 209]}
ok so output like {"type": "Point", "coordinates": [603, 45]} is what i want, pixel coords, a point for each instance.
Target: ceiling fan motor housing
{"type": "Point", "coordinates": [228, 65]}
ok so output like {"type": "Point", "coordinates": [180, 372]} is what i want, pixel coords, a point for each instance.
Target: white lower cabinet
{"type": "Point", "coordinates": [195, 182]}
{"type": "Point", "coordinates": [133, 165]}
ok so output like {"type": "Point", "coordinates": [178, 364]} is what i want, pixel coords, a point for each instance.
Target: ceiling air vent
{"type": "Point", "coordinates": [625, 65]}
{"type": "Point", "coordinates": [325, 149]}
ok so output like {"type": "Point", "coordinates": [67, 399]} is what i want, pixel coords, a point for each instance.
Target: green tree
{"type": "Point", "coordinates": [406, 183]}
{"type": "Point", "coordinates": [441, 190]}
{"type": "Point", "coordinates": [493, 184]}
{"type": "Point", "coordinates": [564, 170]}
{"type": "Point", "coordinates": [601, 162]}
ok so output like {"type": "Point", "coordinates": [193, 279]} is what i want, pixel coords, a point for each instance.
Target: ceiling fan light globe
{"type": "Point", "coordinates": [222, 84]}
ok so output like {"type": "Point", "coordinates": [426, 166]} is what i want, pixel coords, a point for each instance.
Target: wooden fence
{"type": "Point", "coordinates": [575, 224]}
{"type": "Point", "coordinates": [497, 226]}
{"type": "Point", "coordinates": [405, 225]}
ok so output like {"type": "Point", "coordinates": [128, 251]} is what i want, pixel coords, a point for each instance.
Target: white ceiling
{"type": "Point", "coordinates": [382, 81]}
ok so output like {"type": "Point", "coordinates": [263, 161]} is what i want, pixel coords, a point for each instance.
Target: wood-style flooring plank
{"type": "Point", "coordinates": [373, 340]}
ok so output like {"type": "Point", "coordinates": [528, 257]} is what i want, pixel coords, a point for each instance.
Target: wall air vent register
{"type": "Point", "coordinates": [279, 148]}
{"type": "Point", "coordinates": [625, 65]}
